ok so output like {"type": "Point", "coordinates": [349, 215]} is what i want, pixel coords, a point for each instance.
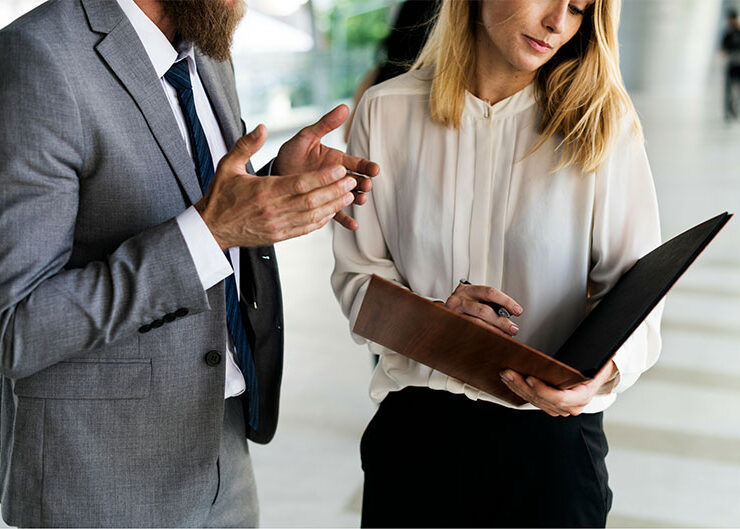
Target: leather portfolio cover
{"type": "Point", "coordinates": [444, 340]}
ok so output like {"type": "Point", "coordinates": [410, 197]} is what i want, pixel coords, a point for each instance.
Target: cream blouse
{"type": "Point", "coordinates": [469, 203]}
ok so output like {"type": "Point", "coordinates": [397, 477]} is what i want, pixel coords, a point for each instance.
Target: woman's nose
{"type": "Point", "coordinates": [554, 17]}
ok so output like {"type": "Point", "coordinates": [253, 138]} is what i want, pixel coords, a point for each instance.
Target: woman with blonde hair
{"type": "Point", "coordinates": [512, 171]}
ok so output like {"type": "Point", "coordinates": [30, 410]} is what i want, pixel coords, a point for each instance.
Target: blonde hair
{"type": "Point", "coordinates": [580, 90]}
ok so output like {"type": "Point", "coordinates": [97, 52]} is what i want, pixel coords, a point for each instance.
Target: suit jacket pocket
{"type": "Point", "coordinates": [106, 379]}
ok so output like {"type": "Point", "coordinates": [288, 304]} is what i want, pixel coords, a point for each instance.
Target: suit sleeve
{"type": "Point", "coordinates": [626, 226]}
{"type": "Point", "coordinates": [48, 311]}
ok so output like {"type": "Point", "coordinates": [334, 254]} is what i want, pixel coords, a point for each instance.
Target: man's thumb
{"type": "Point", "coordinates": [246, 146]}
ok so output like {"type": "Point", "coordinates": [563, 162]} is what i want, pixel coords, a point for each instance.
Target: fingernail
{"type": "Point", "coordinates": [530, 382]}
{"type": "Point", "coordinates": [518, 310]}
{"type": "Point", "coordinates": [348, 199]}
{"type": "Point", "coordinates": [338, 172]}
{"type": "Point", "coordinates": [514, 329]}
{"type": "Point", "coordinates": [507, 376]}
{"type": "Point", "coordinates": [350, 184]}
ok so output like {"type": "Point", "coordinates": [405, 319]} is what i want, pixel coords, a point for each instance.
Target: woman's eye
{"type": "Point", "coordinates": [574, 10]}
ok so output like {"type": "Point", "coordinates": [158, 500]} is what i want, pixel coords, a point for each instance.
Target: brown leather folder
{"type": "Point", "coordinates": [435, 336]}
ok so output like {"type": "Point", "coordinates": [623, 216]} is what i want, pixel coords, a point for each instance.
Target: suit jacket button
{"type": "Point", "coordinates": [213, 358]}
{"type": "Point", "coordinates": [169, 318]}
{"type": "Point", "coordinates": [278, 326]}
{"type": "Point", "coordinates": [181, 312]}
{"type": "Point", "coordinates": [145, 328]}
{"type": "Point", "coordinates": [156, 324]}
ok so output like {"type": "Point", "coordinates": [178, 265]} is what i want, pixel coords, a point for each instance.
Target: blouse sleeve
{"type": "Point", "coordinates": [359, 254]}
{"type": "Point", "coordinates": [626, 226]}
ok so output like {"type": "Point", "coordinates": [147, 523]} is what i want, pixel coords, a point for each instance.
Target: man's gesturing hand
{"type": "Point", "coordinates": [246, 210]}
{"type": "Point", "coordinates": [305, 152]}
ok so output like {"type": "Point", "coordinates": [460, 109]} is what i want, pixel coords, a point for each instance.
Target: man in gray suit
{"type": "Point", "coordinates": [140, 311]}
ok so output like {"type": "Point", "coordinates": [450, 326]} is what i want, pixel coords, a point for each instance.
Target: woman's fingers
{"type": "Point", "coordinates": [486, 314]}
{"type": "Point", "coordinates": [478, 321]}
{"type": "Point", "coordinates": [521, 389]}
{"type": "Point", "coordinates": [485, 293]}
{"type": "Point", "coordinates": [562, 402]}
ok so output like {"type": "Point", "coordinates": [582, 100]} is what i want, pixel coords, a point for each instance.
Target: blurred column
{"type": "Point", "coordinates": [667, 45]}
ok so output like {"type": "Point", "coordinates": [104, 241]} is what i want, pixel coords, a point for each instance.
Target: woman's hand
{"type": "Point", "coordinates": [554, 401]}
{"type": "Point", "coordinates": [469, 300]}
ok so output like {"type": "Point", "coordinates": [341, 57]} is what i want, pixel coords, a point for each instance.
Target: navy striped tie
{"type": "Point", "coordinates": [179, 77]}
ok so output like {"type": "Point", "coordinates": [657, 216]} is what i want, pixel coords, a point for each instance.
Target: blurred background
{"type": "Point", "coordinates": [674, 437]}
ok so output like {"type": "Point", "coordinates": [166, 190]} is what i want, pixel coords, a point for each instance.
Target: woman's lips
{"type": "Point", "coordinates": [538, 45]}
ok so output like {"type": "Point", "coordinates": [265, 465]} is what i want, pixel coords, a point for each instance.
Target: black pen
{"type": "Point", "coordinates": [498, 309]}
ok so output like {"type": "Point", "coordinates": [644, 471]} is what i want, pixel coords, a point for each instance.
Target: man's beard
{"type": "Point", "coordinates": [209, 24]}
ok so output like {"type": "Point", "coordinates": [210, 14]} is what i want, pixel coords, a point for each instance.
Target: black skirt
{"type": "Point", "coordinates": [435, 459]}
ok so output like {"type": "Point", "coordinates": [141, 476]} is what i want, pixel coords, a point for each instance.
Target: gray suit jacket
{"type": "Point", "coordinates": [100, 423]}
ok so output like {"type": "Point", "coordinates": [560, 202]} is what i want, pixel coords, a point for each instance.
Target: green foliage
{"type": "Point", "coordinates": [367, 28]}
{"type": "Point", "coordinates": [355, 24]}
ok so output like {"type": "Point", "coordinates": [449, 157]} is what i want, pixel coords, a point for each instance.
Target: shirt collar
{"type": "Point", "coordinates": [518, 102]}
{"type": "Point", "coordinates": [159, 49]}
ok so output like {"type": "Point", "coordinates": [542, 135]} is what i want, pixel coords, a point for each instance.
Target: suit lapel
{"type": "Point", "coordinates": [122, 50]}
{"type": "Point", "coordinates": [215, 87]}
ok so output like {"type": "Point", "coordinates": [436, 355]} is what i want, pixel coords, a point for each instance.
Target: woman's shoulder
{"type": "Point", "coordinates": [627, 150]}
{"type": "Point", "coordinates": [628, 136]}
{"type": "Point", "coordinates": [415, 83]}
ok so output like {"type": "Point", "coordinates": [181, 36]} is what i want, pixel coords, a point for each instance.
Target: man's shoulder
{"type": "Point", "coordinates": [55, 31]}
{"type": "Point", "coordinates": [52, 16]}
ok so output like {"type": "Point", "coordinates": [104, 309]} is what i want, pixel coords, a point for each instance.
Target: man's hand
{"type": "Point", "coordinates": [245, 210]}
{"type": "Point", "coordinates": [554, 401]}
{"type": "Point", "coordinates": [304, 152]}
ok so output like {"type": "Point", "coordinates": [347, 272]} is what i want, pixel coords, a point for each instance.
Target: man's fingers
{"type": "Point", "coordinates": [360, 198]}
{"type": "Point", "coordinates": [328, 122]}
{"type": "Point", "coordinates": [304, 183]}
{"type": "Point", "coordinates": [346, 221]}
{"type": "Point", "coordinates": [364, 185]}
{"type": "Point", "coordinates": [360, 165]}
{"type": "Point", "coordinates": [244, 148]}
{"type": "Point", "coordinates": [312, 216]}
{"type": "Point", "coordinates": [321, 196]}
{"type": "Point", "coordinates": [299, 231]}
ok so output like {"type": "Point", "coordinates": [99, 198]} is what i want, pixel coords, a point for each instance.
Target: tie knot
{"type": "Point", "coordinates": [178, 75]}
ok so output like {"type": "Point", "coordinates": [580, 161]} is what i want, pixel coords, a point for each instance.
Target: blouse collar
{"type": "Point", "coordinates": [514, 104]}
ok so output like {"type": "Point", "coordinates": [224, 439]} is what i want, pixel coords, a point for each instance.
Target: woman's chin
{"type": "Point", "coordinates": [528, 63]}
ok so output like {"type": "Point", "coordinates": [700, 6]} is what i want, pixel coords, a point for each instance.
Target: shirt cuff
{"type": "Point", "coordinates": [630, 364]}
{"type": "Point", "coordinates": [210, 262]}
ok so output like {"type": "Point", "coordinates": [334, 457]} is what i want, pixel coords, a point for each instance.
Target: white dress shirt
{"type": "Point", "coordinates": [210, 261]}
{"type": "Point", "coordinates": [469, 203]}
